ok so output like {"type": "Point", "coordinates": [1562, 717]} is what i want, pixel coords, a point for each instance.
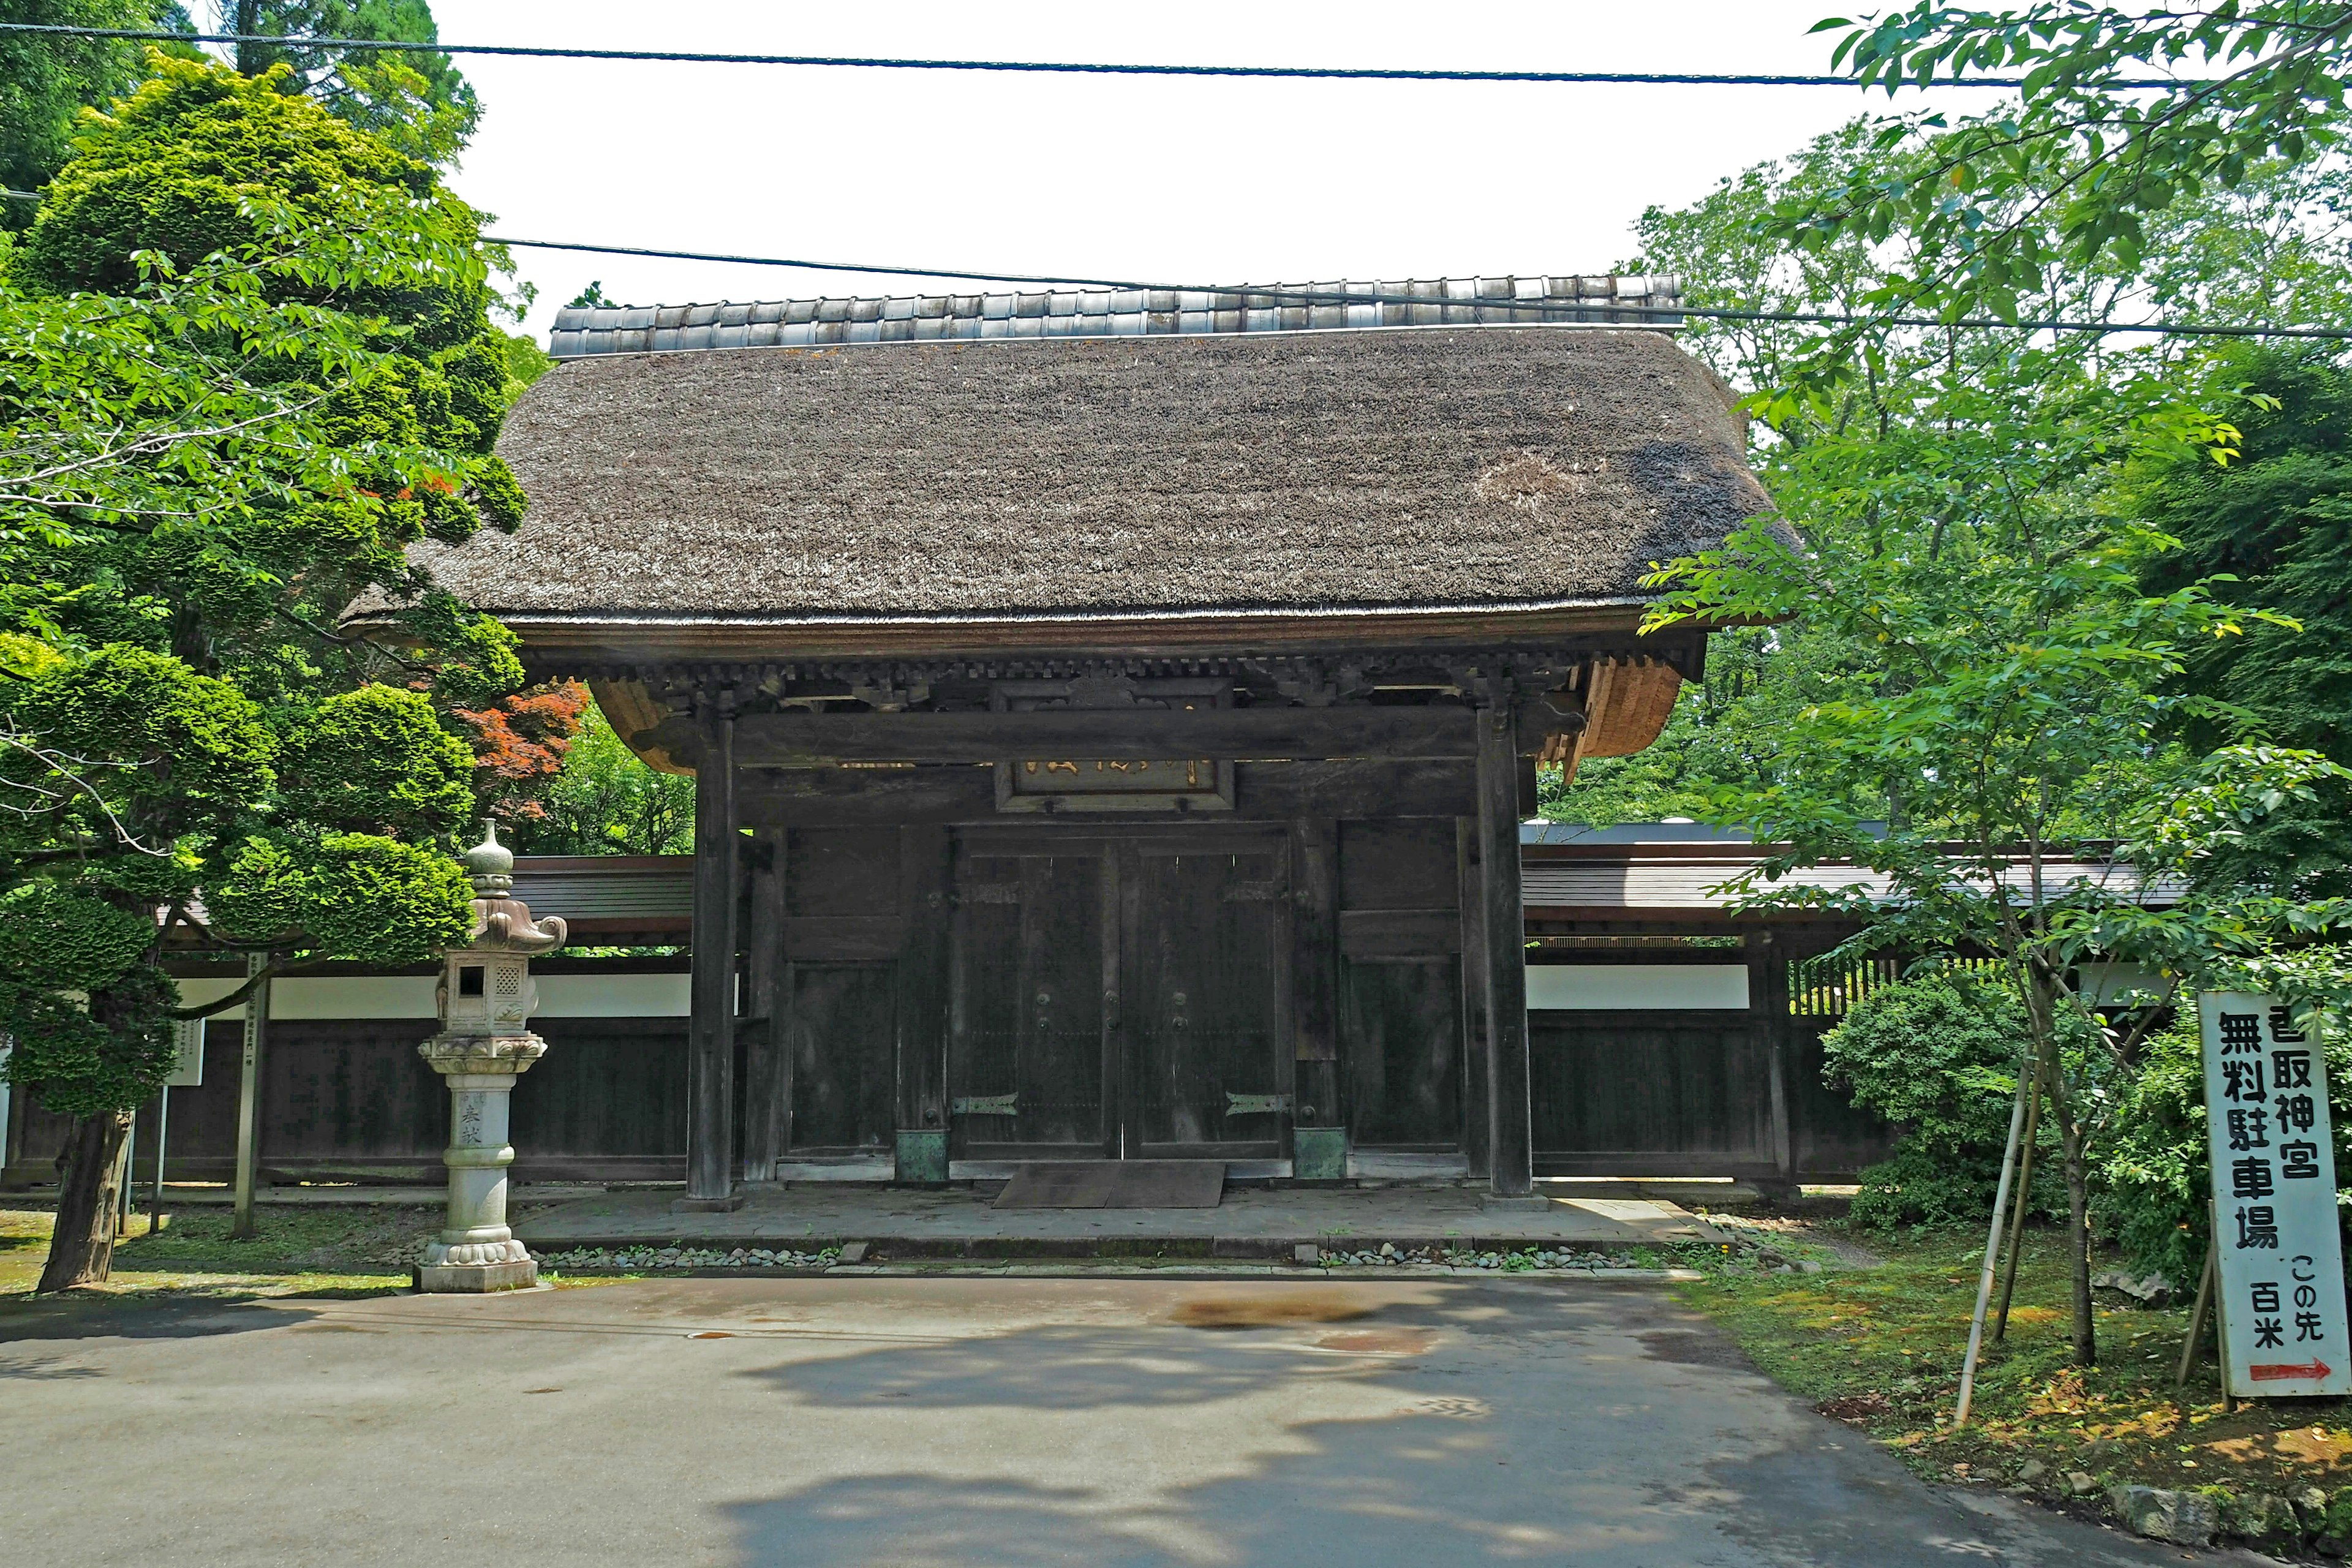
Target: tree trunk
{"type": "Point", "coordinates": [2042, 1017]}
{"type": "Point", "coordinates": [2078, 1242]}
{"type": "Point", "coordinates": [82, 1248]}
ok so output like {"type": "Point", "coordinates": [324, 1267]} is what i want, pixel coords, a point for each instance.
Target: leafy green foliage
{"type": "Point", "coordinates": [358, 895]}
{"type": "Point", "coordinates": [67, 940]}
{"type": "Point", "coordinates": [2090, 161]}
{"type": "Point", "coordinates": [200, 161]}
{"type": "Point", "coordinates": [607, 800]}
{"type": "Point", "coordinates": [2002, 685]}
{"type": "Point", "coordinates": [2155, 1177]}
{"type": "Point", "coordinates": [243, 360]}
{"type": "Point", "coordinates": [414, 98]}
{"type": "Point", "coordinates": [46, 81]}
{"type": "Point", "coordinates": [2278, 525]}
{"type": "Point", "coordinates": [173, 743]}
{"type": "Point", "coordinates": [377, 759]}
{"type": "Point", "coordinates": [89, 1061]}
{"type": "Point", "coordinates": [1938, 1057]}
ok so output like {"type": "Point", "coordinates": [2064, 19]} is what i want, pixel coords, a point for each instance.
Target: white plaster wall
{"type": "Point", "coordinates": [411, 996]}
{"type": "Point", "coordinates": [1592, 987]}
{"type": "Point", "coordinates": [1574, 987]}
{"type": "Point", "coordinates": [613, 996]}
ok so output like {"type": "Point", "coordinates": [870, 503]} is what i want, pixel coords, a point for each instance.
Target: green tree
{"type": "Point", "coordinates": [415, 99]}
{"type": "Point", "coordinates": [46, 80]}
{"type": "Point", "coordinates": [2077, 165]}
{"type": "Point", "coordinates": [2280, 244]}
{"type": "Point", "coordinates": [2018, 709]}
{"type": "Point", "coordinates": [2279, 523]}
{"type": "Point", "coordinates": [244, 362]}
{"type": "Point", "coordinates": [607, 800]}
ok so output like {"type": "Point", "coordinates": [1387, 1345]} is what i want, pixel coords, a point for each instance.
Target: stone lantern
{"type": "Point", "coordinates": [484, 999]}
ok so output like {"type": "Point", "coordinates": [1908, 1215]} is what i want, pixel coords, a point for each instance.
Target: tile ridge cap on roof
{"type": "Point", "coordinates": [1666, 285]}
{"type": "Point", "coordinates": [1598, 299]}
{"type": "Point", "coordinates": [1664, 329]}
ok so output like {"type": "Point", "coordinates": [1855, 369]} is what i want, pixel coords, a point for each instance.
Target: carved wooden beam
{"type": "Point", "coordinates": [810, 740]}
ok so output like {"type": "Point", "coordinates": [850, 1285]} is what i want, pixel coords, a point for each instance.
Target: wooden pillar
{"type": "Point", "coordinates": [1511, 1170]}
{"type": "Point", "coordinates": [925, 881]}
{"type": "Point", "coordinates": [1319, 1124]}
{"type": "Point", "coordinates": [1475, 1129]}
{"type": "Point", "coordinates": [1768, 1004]}
{"type": "Point", "coordinates": [250, 1100]}
{"type": "Point", "coordinates": [711, 1063]}
{"type": "Point", "coordinates": [767, 1070]}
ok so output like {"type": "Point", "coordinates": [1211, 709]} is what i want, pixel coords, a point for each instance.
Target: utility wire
{"type": "Point", "coordinates": [1351, 297]}
{"type": "Point", "coordinates": [1062, 68]}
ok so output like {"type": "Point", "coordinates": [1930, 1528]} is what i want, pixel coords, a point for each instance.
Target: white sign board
{"type": "Point", "coordinates": [188, 1055]}
{"type": "Point", "coordinates": [2284, 1328]}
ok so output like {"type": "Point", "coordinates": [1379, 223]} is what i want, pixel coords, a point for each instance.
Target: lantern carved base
{"type": "Point", "coordinates": [476, 1251]}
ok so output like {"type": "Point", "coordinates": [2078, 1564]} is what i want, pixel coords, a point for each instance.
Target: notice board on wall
{"type": "Point", "coordinates": [2281, 1274]}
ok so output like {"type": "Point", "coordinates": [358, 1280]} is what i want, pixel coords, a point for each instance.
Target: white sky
{"type": "Point", "coordinates": [1178, 180]}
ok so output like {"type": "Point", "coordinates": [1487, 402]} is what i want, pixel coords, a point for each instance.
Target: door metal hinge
{"type": "Point", "coordinates": [1256, 1104]}
{"type": "Point", "coordinates": [986, 1105]}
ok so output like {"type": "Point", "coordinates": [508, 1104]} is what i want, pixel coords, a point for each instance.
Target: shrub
{"type": "Point", "coordinates": [2151, 1191]}
{"type": "Point", "coordinates": [1938, 1057]}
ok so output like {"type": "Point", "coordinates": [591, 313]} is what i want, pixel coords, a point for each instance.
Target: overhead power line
{"type": "Point", "coordinates": [1062, 68]}
{"type": "Point", "coordinates": [1359, 297]}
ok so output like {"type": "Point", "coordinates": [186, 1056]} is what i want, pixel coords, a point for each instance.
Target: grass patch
{"type": "Point", "coordinates": [343, 1250]}
{"type": "Point", "coordinates": [1881, 1348]}
{"type": "Point", "coordinates": [360, 1250]}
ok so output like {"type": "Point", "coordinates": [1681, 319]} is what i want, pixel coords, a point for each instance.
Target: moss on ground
{"type": "Point", "coordinates": [1881, 1349]}
{"type": "Point", "coordinates": [346, 1250]}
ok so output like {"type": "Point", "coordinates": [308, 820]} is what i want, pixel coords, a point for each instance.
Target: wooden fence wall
{"type": "Point", "coordinates": [1630, 1092]}
{"type": "Point", "coordinates": [348, 1099]}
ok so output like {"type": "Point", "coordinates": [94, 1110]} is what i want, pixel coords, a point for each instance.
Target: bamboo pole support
{"type": "Point", "coordinates": [1992, 1244]}
{"type": "Point", "coordinates": [2205, 1280]}
{"type": "Point", "coordinates": [2017, 1215]}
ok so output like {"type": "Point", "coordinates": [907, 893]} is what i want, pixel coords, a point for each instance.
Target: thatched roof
{"type": "Point", "coordinates": [1351, 472]}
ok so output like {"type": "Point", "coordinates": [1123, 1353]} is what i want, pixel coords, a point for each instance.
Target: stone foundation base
{"type": "Point", "coordinates": [727, 1205]}
{"type": "Point", "coordinates": [476, 1277]}
{"type": "Point", "coordinates": [1533, 1202]}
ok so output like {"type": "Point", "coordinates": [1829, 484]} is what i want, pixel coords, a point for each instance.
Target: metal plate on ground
{"type": "Point", "coordinates": [1117, 1185]}
{"type": "Point", "coordinates": [1059, 1184]}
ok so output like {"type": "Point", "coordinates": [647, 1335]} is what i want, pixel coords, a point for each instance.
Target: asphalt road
{"type": "Point", "coordinates": [956, 1422]}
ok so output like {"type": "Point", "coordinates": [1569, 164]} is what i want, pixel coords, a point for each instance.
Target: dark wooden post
{"type": "Point", "coordinates": [1475, 1122]}
{"type": "Point", "coordinates": [1512, 1159]}
{"type": "Point", "coordinates": [1767, 1003]}
{"type": "Point", "coordinates": [767, 1075]}
{"type": "Point", "coordinates": [711, 1064]}
{"type": "Point", "coordinates": [925, 880]}
{"type": "Point", "coordinates": [1318, 1125]}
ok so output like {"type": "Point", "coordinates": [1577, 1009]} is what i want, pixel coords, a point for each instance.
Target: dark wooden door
{"type": "Point", "coordinates": [1030, 1065]}
{"type": "Point", "coordinates": [1206, 946]}
{"type": "Point", "coordinates": [1403, 1052]}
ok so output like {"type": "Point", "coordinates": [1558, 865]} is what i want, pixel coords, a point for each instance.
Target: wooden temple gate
{"type": "Point", "coordinates": [1113, 713]}
{"type": "Point", "coordinates": [1091, 909]}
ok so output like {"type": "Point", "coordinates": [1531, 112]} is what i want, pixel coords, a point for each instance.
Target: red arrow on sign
{"type": "Point", "coordinates": [2314, 1369]}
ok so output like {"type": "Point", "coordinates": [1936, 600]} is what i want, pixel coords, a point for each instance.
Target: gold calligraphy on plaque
{"type": "Point", "coordinates": [1102, 783]}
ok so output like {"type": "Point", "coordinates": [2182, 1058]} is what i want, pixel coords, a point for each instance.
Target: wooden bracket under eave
{"type": "Point", "coordinates": [1627, 698]}
{"type": "Point", "coordinates": [641, 720]}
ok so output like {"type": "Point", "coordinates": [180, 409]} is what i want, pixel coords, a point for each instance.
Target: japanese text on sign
{"type": "Point", "coordinates": [2282, 1269]}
